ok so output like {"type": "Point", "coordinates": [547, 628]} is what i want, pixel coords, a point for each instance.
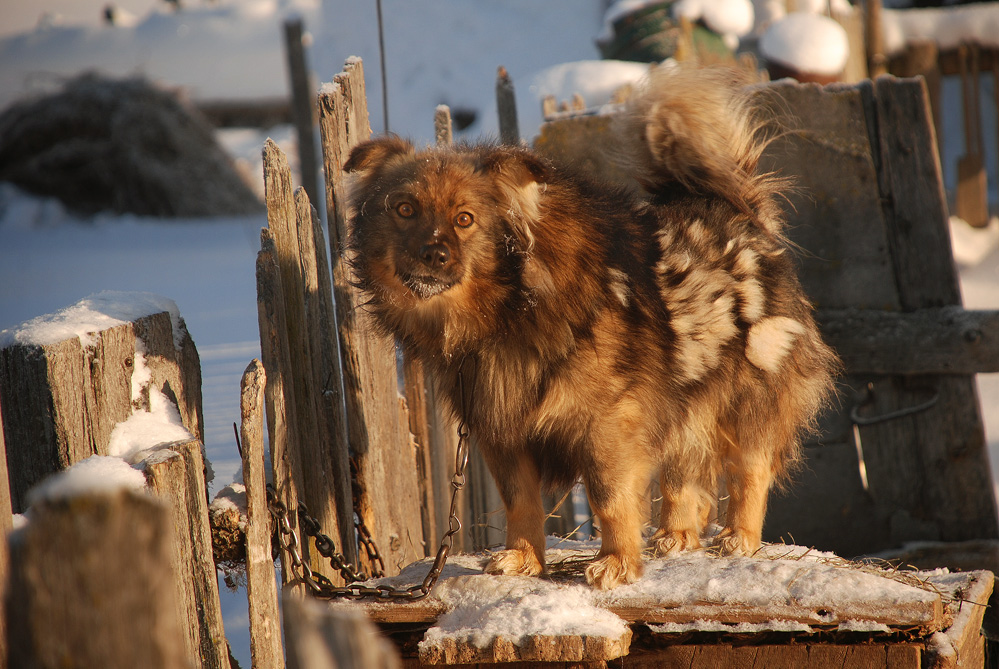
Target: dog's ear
{"type": "Point", "coordinates": [377, 153]}
{"type": "Point", "coordinates": [520, 176]}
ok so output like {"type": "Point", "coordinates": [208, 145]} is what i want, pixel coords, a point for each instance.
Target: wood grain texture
{"type": "Point", "coordinates": [279, 392]}
{"type": "Point", "coordinates": [386, 492]}
{"type": "Point", "coordinates": [114, 586]}
{"type": "Point", "coordinates": [176, 473]}
{"type": "Point", "coordinates": [941, 340]}
{"type": "Point", "coordinates": [61, 401]}
{"type": "Point", "coordinates": [261, 588]}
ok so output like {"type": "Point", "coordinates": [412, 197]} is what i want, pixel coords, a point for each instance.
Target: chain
{"type": "Point", "coordinates": [320, 586]}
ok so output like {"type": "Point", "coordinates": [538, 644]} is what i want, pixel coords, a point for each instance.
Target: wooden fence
{"type": "Point", "coordinates": [357, 438]}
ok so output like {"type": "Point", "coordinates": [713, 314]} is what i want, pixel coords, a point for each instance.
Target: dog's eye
{"type": "Point", "coordinates": [464, 219]}
{"type": "Point", "coordinates": [405, 210]}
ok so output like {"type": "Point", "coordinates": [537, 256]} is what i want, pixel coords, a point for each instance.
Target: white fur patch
{"type": "Point", "coordinates": [745, 262]}
{"type": "Point", "coordinates": [619, 286]}
{"type": "Point", "coordinates": [770, 340]}
{"type": "Point", "coordinates": [752, 298]}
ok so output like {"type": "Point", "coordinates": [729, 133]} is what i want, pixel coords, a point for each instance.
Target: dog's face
{"type": "Point", "coordinates": [439, 225]}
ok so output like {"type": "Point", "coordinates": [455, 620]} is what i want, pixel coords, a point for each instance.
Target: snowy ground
{"type": "Point", "coordinates": [445, 52]}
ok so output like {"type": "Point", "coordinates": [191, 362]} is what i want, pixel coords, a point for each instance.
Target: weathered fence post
{"type": "Point", "coordinates": [320, 636]}
{"type": "Point", "coordinates": [314, 370]}
{"type": "Point", "coordinates": [176, 473]}
{"type": "Point", "coordinates": [386, 492]}
{"type": "Point", "coordinates": [61, 399]}
{"type": "Point", "coordinates": [302, 108]}
{"type": "Point", "coordinates": [506, 105]}
{"type": "Point", "coordinates": [279, 392]}
{"type": "Point", "coordinates": [261, 592]}
{"type": "Point", "coordinates": [6, 524]}
{"type": "Point", "coordinates": [91, 585]}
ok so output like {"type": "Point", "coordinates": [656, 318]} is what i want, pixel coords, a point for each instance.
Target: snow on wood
{"type": "Point", "coordinates": [947, 27]}
{"type": "Point", "coordinates": [807, 43]}
{"type": "Point", "coordinates": [97, 475]}
{"type": "Point", "coordinates": [91, 315]}
{"type": "Point", "coordinates": [782, 588]}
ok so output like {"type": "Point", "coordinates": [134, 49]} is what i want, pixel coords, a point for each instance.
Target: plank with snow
{"type": "Point", "coordinates": [904, 619]}
{"type": "Point", "coordinates": [66, 380]}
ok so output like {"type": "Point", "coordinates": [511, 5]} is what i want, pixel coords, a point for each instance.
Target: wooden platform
{"type": "Point", "coordinates": [786, 607]}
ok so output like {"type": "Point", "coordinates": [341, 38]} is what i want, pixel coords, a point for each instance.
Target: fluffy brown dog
{"type": "Point", "coordinates": [606, 336]}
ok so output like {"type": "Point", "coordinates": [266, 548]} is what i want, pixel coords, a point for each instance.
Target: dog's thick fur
{"type": "Point", "coordinates": [607, 337]}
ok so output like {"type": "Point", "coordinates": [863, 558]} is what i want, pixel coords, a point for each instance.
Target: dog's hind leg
{"type": "Point", "coordinates": [685, 509]}
{"type": "Point", "coordinates": [520, 488]}
{"type": "Point", "coordinates": [689, 494]}
{"type": "Point", "coordinates": [750, 475]}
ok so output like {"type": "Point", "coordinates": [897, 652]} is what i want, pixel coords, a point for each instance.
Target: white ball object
{"type": "Point", "coordinates": [729, 17]}
{"type": "Point", "coordinates": [807, 43]}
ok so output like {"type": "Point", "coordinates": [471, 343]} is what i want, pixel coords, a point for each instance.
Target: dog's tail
{"type": "Point", "coordinates": [697, 127]}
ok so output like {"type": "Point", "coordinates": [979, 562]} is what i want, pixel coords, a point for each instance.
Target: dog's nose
{"type": "Point", "coordinates": [435, 255]}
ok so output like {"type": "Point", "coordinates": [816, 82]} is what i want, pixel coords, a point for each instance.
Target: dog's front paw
{"type": "Point", "coordinates": [515, 561]}
{"type": "Point", "coordinates": [666, 542]}
{"type": "Point", "coordinates": [737, 542]}
{"type": "Point", "coordinates": [612, 570]}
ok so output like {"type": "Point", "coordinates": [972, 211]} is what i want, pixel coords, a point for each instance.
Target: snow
{"type": "Point", "coordinates": [146, 429]}
{"type": "Point", "coordinates": [231, 498]}
{"type": "Point", "coordinates": [97, 475]}
{"type": "Point", "coordinates": [483, 608]}
{"type": "Point", "coordinates": [948, 27]}
{"type": "Point", "coordinates": [731, 19]}
{"type": "Point", "coordinates": [808, 43]}
{"type": "Point", "coordinates": [90, 315]}
{"type": "Point", "coordinates": [827, 590]}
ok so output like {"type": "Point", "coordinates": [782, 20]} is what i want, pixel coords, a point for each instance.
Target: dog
{"type": "Point", "coordinates": [605, 336]}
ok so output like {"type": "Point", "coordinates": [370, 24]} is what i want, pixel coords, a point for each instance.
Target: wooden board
{"type": "Point", "coordinates": [386, 486]}
{"type": "Point", "coordinates": [871, 219]}
{"type": "Point", "coordinates": [959, 638]}
{"type": "Point", "coordinates": [538, 648]}
{"type": "Point", "coordinates": [61, 401]}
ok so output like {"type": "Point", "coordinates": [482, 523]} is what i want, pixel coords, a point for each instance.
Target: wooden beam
{"type": "Point", "coordinates": [943, 340]}
{"type": "Point", "coordinates": [261, 589]}
{"type": "Point", "coordinates": [102, 593]}
{"type": "Point", "coordinates": [303, 105]}
{"type": "Point", "coordinates": [386, 489]}
{"type": "Point", "coordinates": [175, 472]}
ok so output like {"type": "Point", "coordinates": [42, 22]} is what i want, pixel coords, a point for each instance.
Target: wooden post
{"type": "Point", "coordinates": [327, 461]}
{"type": "Point", "coordinates": [279, 394]}
{"type": "Point", "coordinates": [302, 106]}
{"type": "Point", "coordinates": [62, 400]}
{"type": "Point", "coordinates": [176, 473]}
{"type": "Point", "coordinates": [922, 58]}
{"type": "Point", "coordinates": [315, 402]}
{"type": "Point", "coordinates": [386, 492]}
{"type": "Point", "coordinates": [872, 216]}
{"type": "Point", "coordinates": [91, 585]}
{"type": "Point", "coordinates": [6, 524]}
{"type": "Point", "coordinates": [261, 591]}
{"type": "Point", "coordinates": [322, 636]}
{"type": "Point", "coordinates": [442, 125]}
{"type": "Point", "coordinates": [506, 106]}
{"type": "Point", "coordinates": [876, 62]}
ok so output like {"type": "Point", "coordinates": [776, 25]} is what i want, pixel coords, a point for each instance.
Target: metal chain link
{"type": "Point", "coordinates": [322, 587]}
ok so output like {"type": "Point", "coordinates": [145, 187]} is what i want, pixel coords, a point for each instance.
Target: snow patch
{"type": "Point", "coordinates": [948, 27]}
{"type": "Point", "coordinates": [97, 475]}
{"type": "Point", "coordinates": [100, 311]}
{"type": "Point", "coordinates": [808, 43]}
{"type": "Point", "coordinates": [483, 608]}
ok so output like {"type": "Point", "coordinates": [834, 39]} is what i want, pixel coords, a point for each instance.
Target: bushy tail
{"type": "Point", "coordinates": [698, 127]}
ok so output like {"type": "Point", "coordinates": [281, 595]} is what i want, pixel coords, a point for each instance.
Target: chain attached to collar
{"type": "Point", "coordinates": [322, 587]}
